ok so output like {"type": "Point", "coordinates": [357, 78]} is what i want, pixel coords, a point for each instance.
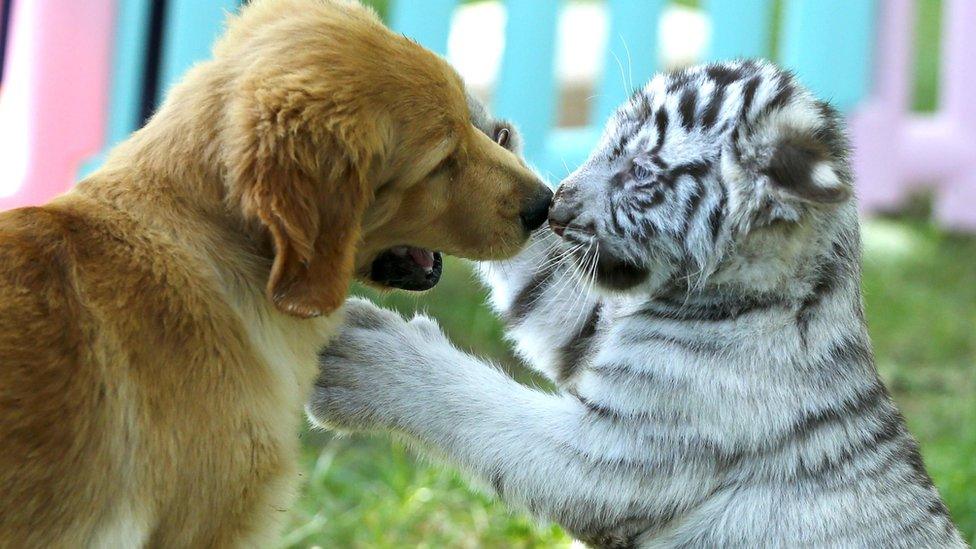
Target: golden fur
{"type": "Point", "coordinates": [156, 345]}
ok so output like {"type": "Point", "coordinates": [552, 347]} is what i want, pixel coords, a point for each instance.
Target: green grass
{"type": "Point", "coordinates": [921, 304]}
{"type": "Point", "coordinates": [920, 289]}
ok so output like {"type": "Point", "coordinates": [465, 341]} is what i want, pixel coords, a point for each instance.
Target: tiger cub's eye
{"type": "Point", "coordinates": [502, 136]}
{"type": "Point", "coordinates": [640, 172]}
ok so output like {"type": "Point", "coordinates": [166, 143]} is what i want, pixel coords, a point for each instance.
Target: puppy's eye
{"type": "Point", "coordinates": [640, 172]}
{"type": "Point", "coordinates": [502, 136]}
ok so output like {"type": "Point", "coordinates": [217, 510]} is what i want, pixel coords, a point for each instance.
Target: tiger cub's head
{"type": "Point", "coordinates": [725, 174]}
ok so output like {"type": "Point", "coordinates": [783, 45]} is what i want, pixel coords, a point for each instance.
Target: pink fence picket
{"type": "Point", "coordinates": [53, 97]}
{"type": "Point", "coordinates": [897, 152]}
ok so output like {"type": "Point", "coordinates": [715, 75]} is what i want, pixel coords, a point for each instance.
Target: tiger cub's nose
{"type": "Point", "coordinates": [562, 213]}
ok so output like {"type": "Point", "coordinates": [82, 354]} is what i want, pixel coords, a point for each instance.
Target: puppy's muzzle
{"type": "Point", "coordinates": [537, 210]}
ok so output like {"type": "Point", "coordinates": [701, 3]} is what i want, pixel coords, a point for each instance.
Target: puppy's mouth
{"type": "Point", "coordinates": [407, 268]}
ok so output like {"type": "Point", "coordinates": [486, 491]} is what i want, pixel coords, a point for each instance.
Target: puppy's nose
{"type": "Point", "coordinates": [534, 215]}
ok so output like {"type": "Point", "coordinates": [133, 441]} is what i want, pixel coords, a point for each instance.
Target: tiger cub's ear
{"type": "Point", "coordinates": [803, 168]}
{"type": "Point", "coordinates": [789, 159]}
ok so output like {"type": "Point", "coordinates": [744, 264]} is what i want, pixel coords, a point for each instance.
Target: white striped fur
{"type": "Point", "coordinates": [702, 319]}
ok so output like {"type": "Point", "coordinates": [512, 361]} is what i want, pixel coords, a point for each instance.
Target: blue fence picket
{"type": "Point", "coordinates": [631, 53]}
{"type": "Point", "coordinates": [430, 26]}
{"type": "Point", "coordinates": [128, 60]}
{"type": "Point", "coordinates": [829, 45]}
{"type": "Point", "coordinates": [526, 91]}
{"type": "Point", "coordinates": [740, 28]}
{"type": "Point", "coordinates": [192, 26]}
{"type": "Point", "coordinates": [631, 58]}
{"type": "Point", "coordinates": [827, 42]}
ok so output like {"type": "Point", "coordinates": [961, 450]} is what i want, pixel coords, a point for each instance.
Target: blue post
{"type": "Point", "coordinates": [740, 28]}
{"type": "Point", "coordinates": [526, 91]}
{"type": "Point", "coordinates": [630, 60]}
{"type": "Point", "coordinates": [125, 93]}
{"type": "Point", "coordinates": [829, 45]}
{"type": "Point", "coordinates": [631, 56]}
{"type": "Point", "coordinates": [428, 22]}
{"type": "Point", "coordinates": [192, 26]}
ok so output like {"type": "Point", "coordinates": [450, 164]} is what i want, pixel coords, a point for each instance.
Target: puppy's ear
{"type": "Point", "coordinates": [290, 172]}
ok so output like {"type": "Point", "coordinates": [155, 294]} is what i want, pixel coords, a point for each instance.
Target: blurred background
{"type": "Point", "coordinates": [77, 77]}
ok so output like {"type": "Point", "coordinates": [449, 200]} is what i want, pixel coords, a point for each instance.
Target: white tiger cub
{"type": "Point", "coordinates": [699, 308]}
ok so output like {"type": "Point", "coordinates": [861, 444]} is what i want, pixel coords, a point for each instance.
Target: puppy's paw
{"type": "Point", "coordinates": [376, 364]}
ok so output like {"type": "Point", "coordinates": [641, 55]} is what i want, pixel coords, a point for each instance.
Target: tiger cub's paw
{"type": "Point", "coordinates": [372, 367]}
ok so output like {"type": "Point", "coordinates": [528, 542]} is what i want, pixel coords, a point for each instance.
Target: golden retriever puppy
{"type": "Point", "coordinates": [157, 339]}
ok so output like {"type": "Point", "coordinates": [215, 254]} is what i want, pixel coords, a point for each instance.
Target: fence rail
{"type": "Point", "coordinates": [80, 76]}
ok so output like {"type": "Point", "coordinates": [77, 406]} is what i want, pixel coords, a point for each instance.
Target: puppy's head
{"type": "Point", "coordinates": [357, 151]}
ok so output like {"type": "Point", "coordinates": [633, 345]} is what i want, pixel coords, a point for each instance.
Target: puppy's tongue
{"type": "Point", "coordinates": [423, 258]}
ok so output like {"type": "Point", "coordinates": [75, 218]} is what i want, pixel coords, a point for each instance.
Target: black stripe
{"type": "Point", "coordinates": [691, 207]}
{"type": "Point", "coordinates": [622, 373]}
{"type": "Point", "coordinates": [888, 431]}
{"type": "Point", "coordinates": [618, 534]}
{"type": "Point", "coordinates": [748, 96]}
{"type": "Point", "coordinates": [619, 180]}
{"type": "Point", "coordinates": [666, 179]}
{"type": "Point", "coordinates": [710, 116]}
{"type": "Point", "coordinates": [498, 484]}
{"type": "Point", "coordinates": [695, 169]}
{"type": "Point", "coordinates": [741, 131]}
{"type": "Point", "coordinates": [723, 75]}
{"type": "Point", "coordinates": [689, 443]}
{"type": "Point", "coordinates": [687, 107]}
{"type": "Point", "coordinates": [615, 152]}
{"type": "Point", "coordinates": [574, 352]}
{"type": "Point", "coordinates": [615, 211]}
{"type": "Point", "coordinates": [661, 122]}
{"type": "Point", "coordinates": [830, 276]}
{"type": "Point", "coordinates": [843, 247]}
{"type": "Point", "coordinates": [598, 410]}
{"type": "Point", "coordinates": [664, 309]}
{"type": "Point", "coordinates": [851, 350]}
{"type": "Point", "coordinates": [717, 216]}
{"type": "Point", "coordinates": [783, 94]}
{"type": "Point", "coordinates": [624, 139]}
{"type": "Point", "coordinates": [914, 459]}
{"type": "Point", "coordinates": [641, 105]}
{"type": "Point", "coordinates": [918, 527]}
{"type": "Point", "coordinates": [690, 345]}
{"type": "Point", "coordinates": [859, 404]}
{"type": "Point", "coordinates": [528, 296]}
{"type": "Point", "coordinates": [938, 508]}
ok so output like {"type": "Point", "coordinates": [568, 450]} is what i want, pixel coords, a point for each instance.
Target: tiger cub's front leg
{"type": "Point", "coordinates": [544, 295]}
{"type": "Point", "coordinates": [550, 453]}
